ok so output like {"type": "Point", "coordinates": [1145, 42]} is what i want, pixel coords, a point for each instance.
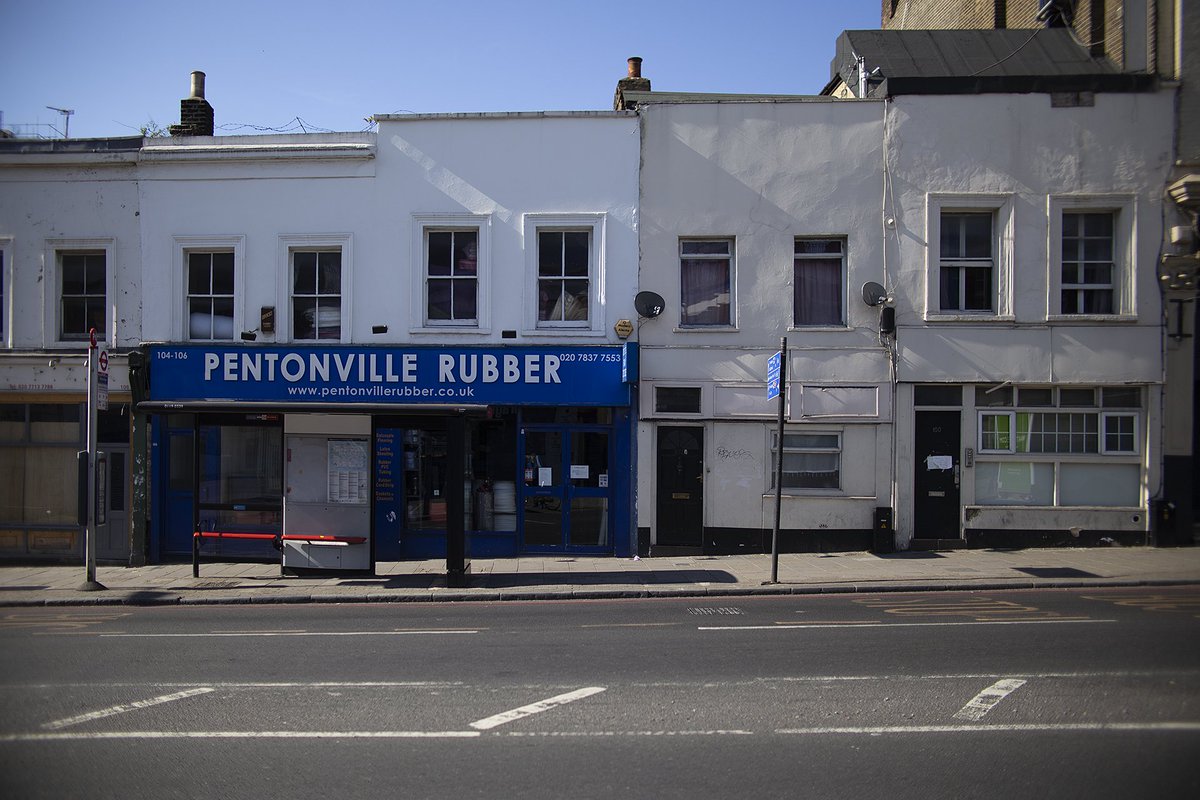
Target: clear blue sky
{"type": "Point", "coordinates": [120, 65]}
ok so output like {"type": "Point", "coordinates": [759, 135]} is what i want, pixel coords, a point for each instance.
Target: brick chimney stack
{"type": "Point", "coordinates": [195, 114]}
{"type": "Point", "coordinates": [633, 82]}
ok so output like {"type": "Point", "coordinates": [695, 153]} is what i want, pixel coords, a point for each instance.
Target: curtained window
{"type": "Point", "coordinates": [819, 265]}
{"type": "Point", "coordinates": [705, 280]}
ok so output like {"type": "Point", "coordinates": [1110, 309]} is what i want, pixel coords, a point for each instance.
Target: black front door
{"type": "Point", "coordinates": [680, 507]}
{"type": "Point", "coordinates": [936, 474]}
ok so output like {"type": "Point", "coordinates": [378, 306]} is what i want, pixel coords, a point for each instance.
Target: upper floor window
{"type": "Point", "coordinates": [452, 276]}
{"type": "Point", "coordinates": [705, 282]}
{"type": "Point", "coordinates": [819, 269]}
{"type": "Point", "coordinates": [970, 257]}
{"type": "Point", "coordinates": [316, 294]}
{"type": "Point", "coordinates": [1091, 256]}
{"type": "Point", "coordinates": [210, 296]}
{"type": "Point", "coordinates": [1087, 262]}
{"type": "Point", "coordinates": [3, 287]}
{"type": "Point", "coordinates": [967, 262]}
{"type": "Point", "coordinates": [563, 276]}
{"type": "Point", "coordinates": [83, 295]}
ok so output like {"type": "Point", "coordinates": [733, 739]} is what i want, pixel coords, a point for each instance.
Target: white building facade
{"type": "Point", "coordinates": [427, 314]}
{"type": "Point", "coordinates": [70, 263]}
{"type": "Point", "coordinates": [1007, 391]}
{"type": "Point", "coordinates": [1022, 259]}
{"type": "Point", "coordinates": [760, 220]}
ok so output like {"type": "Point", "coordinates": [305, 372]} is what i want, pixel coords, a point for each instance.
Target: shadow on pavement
{"type": "Point", "coordinates": [616, 578]}
{"type": "Point", "coordinates": [908, 555]}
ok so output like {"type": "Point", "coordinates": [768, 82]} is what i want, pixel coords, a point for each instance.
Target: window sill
{"type": "Point", "coordinates": [984, 317]}
{"type": "Point", "coordinates": [705, 329]}
{"type": "Point", "coordinates": [449, 330]}
{"type": "Point", "coordinates": [1090, 319]}
{"type": "Point", "coordinates": [819, 328]}
{"type": "Point", "coordinates": [544, 333]}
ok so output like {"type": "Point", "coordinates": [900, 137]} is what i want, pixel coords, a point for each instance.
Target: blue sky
{"type": "Point", "coordinates": [121, 65]}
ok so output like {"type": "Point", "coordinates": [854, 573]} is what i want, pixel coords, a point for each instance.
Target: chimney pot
{"type": "Point", "coordinates": [635, 67]}
{"type": "Point", "coordinates": [198, 84]}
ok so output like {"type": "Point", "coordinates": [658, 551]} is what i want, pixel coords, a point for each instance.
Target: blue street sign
{"type": "Point", "coordinates": [773, 365]}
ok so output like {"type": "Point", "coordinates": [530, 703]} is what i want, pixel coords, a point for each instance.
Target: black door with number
{"type": "Point", "coordinates": [936, 475]}
{"type": "Point", "coordinates": [680, 506]}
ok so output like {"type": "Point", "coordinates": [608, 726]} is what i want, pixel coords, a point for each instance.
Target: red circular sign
{"type": "Point", "coordinates": [104, 361]}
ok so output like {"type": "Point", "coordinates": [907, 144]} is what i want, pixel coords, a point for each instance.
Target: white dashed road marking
{"type": "Point", "coordinates": [986, 700]}
{"type": "Point", "coordinates": [121, 709]}
{"type": "Point", "coordinates": [488, 723]}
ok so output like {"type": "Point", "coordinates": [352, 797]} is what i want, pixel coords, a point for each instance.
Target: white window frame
{"type": "Point", "coordinates": [52, 289]}
{"type": "Point", "coordinates": [595, 224]}
{"type": "Point", "coordinates": [679, 257]}
{"type": "Point", "coordinates": [844, 257]}
{"type": "Point", "coordinates": [1012, 432]}
{"type": "Point", "coordinates": [290, 243]}
{"type": "Point", "coordinates": [6, 292]}
{"type": "Point", "coordinates": [1124, 283]}
{"type": "Point", "coordinates": [422, 224]}
{"type": "Point", "coordinates": [184, 246]}
{"type": "Point", "coordinates": [840, 450]}
{"type": "Point", "coordinates": [1105, 416]}
{"type": "Point", "coordinates": [1002, 209]}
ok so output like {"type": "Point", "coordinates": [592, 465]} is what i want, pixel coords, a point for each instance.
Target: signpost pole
{"type": "Point", "coordinates": [779, 459]}
{"type": "Point", "coordinates": [96, 366]}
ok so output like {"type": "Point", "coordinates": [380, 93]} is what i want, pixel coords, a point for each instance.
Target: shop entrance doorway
{"type": "Point", "coordinates": [114, 543]}
{"type": "Point", "coordinates": [566, 492]}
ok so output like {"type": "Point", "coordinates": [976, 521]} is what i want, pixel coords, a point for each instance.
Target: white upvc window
{"type": "Point", "coordinates": [1091, 244]}
{"type": "Point", "coordinates": [1065, 447]}
{"type": "Point", "coordinates": [317, 275]}
{"type": "Point", "coordinates": [81, 290]}
{"type": "Point", "coordinates": [1119, 433]}
{"type": "Point", "coordinates": [210, 282]}
{"type": "Point", "coordinates": [969, 273]}
{"type": "Point", "coordinates": [565, 272]}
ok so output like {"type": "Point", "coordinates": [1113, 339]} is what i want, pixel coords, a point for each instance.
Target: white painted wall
{"type": "Point", "coordinates": [369, 192]}
{"type": "Point", "coordinates": [764, 173]}
{"type": "Point", "coordinates": [1033, 158]}
{"type": "Point", "coordinates": [67, 200]}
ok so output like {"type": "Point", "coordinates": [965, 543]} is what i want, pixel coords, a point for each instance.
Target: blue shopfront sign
{"type": "Point", "coordinates": [401, 375]}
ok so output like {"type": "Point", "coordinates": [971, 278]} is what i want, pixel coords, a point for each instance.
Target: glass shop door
{"type": "Point", "coordinates": [565, 491]}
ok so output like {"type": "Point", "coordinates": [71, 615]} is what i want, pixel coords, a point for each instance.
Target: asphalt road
{"type": "Point", "coordinates": [1089, 693]}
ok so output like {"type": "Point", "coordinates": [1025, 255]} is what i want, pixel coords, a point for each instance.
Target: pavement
{"type": "Point", "coordinates": [565, 577]}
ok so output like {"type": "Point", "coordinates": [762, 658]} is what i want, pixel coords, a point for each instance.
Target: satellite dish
{"type": "Point", "coordinates": [873, 294]}
{"type": "Point", "coordinates": [649, 304]}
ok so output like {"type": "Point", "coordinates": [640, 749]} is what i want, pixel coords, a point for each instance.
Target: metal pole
{"type": "Point", "coordinates": [783, 359]}
{"type": "Point", "coordinates": [89, 542]}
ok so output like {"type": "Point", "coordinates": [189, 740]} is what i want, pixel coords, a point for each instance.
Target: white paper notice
{"type": "Point", "coordinates": [939, 462]}
{"type": "Point", "coordinates": [602, 480]}
{"type": "Point", "coordinates": [579, 471]}
{"type": "Point", "coordinates": [545, 476]}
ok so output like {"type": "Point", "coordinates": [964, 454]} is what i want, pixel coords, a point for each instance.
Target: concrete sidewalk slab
{"type": "Point", "coordinates": [561, 577]}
